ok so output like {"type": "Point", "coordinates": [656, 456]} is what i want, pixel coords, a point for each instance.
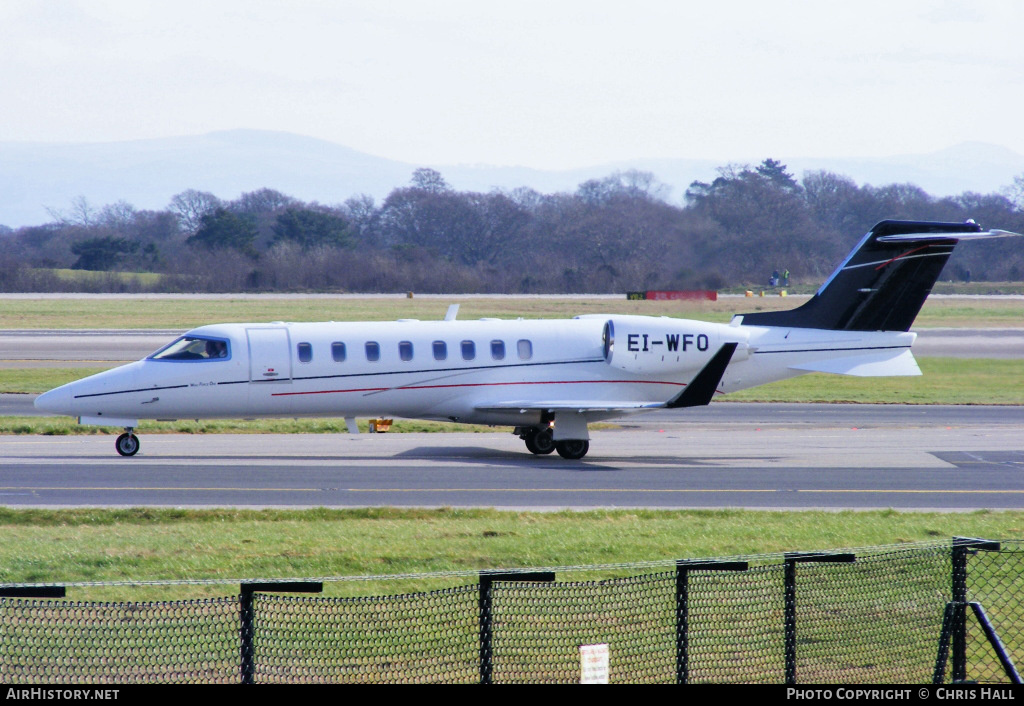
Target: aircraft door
{"type": "Point", "coordinates": [269, 355]}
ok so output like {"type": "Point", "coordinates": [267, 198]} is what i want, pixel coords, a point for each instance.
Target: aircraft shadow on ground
{"type": "Point", "coordinates": [477, 455]}
{"type": "Point", "coordinates": [594, 462]}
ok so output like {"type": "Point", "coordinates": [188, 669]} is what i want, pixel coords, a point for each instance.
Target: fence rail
{"type": "Point", "coordinates": [918, 613]}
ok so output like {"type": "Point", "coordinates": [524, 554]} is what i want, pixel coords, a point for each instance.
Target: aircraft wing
{"type": "Point", "coordinates": [578, 406]}
{"type": "Point", "coordinates": [697, 393]}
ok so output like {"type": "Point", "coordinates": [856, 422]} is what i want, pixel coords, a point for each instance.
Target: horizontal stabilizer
{"type": "Point", "coordinates": [922, 237]}
{"type": "Point", "coordinates": [884, 363]}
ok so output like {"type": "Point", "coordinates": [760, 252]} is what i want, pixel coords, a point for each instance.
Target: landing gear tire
{"type": "Point", "coordinates": [573, 449]}
{"type": "Point", "coordinates": [127, 444]}
{"type": "Point", "coordinates": [540, 441]}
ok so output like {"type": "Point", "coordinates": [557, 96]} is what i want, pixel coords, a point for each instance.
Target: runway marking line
{"type": "Point", "coordinates": [511, 490]}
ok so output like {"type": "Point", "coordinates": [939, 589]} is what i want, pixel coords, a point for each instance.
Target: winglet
{"type": "Point", "coordinates": [704, 384]}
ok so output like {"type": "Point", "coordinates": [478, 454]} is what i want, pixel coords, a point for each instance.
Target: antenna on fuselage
{"type": "Point", "coordinates": [453, 310]}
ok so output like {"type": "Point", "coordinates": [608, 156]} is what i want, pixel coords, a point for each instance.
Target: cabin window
{"type": "Point", "coordinates": [525, 349]}
{"type": "Point", "coordinates": [468, 350]}
{"type": "Point", "coordinates": [194, 348]}
{"type": "Point", "coordinates": [305, 352]}
{"type": "Point", "coordinates": [405, 350]}
{"type": "Point", "coordinates": [338, 352]}
{"type": "Point", "coordinates": [498, 350]}
{"type": "Point", "coordinates": [440, 350]}
{"type": "Point", "coordinates": [372, 351]}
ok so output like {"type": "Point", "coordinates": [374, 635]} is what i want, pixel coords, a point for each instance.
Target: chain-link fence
{"type": "Point", "coordinates": [920, 613]}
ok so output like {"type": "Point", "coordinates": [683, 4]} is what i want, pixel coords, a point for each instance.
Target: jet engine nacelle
{"type": "Point", "coordinates": [647, 344]}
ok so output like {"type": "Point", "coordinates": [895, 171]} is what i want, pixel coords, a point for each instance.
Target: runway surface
{"type": "Point", "coordinates": [729, 455]}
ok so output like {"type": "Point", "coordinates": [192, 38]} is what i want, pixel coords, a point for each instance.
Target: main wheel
{"type": "Point", "coordinates": [540, 441]}
{"type": "Point", "coordinates": [127, 444]}
{"type": "Point", "coordinates": [573, 448]}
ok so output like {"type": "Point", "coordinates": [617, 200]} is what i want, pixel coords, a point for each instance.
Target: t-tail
{"type": "Point", "coordinates": [883, 283]}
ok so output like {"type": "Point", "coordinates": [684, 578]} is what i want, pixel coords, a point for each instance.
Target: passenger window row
{"type": "Point", "coordinates": [524, 349]}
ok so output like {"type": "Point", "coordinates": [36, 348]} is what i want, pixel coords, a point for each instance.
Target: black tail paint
{"type": "Point", "coordinates": [882, 284]}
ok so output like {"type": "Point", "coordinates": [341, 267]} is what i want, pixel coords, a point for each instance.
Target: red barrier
{"type": "Point", "coordinates": [690, 294]}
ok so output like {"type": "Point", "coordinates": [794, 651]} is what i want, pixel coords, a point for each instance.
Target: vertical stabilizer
{"type": "Point", "coordinates": [883, 283]}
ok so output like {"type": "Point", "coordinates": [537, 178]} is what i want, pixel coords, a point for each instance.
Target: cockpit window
{"type": "Point", "coordinates": [194, 348]}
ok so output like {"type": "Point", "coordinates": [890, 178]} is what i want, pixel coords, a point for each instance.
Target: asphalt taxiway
{"type": "Point", "coordinates": [728, 455]}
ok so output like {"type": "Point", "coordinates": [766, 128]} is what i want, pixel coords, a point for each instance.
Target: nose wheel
{"type": "Point", "coordinates": [127, 444]}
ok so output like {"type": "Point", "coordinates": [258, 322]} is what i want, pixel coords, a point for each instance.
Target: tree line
{"type": "Point", "coordinates": [613, 234]}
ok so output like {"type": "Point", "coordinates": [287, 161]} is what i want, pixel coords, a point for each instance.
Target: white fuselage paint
{"type": "Point", "coordinates": [565, 363]}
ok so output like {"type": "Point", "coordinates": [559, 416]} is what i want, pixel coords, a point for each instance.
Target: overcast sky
{"type": "Point", "coordinates": [548, 83]}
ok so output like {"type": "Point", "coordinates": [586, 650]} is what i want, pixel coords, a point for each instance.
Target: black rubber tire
{"type": "Point", "coordinates": [127, 444]}
{"type": "Point", "coordinates": [540, 441]}
{"type": "Point", "coordinates": [573, 449]}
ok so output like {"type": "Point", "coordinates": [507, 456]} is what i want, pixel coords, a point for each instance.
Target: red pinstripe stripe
{"type": "Point", "coordinates": [478, 384]}
{"type": "Point", "coordinates": [902, 255]}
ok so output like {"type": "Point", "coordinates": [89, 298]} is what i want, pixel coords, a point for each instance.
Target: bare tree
{"type": "Point", "coordinates": [190, 206]}
{"type": "Point", "coordinates": [429, 180]}
{"type": "Point", "coordinates": [81, 213]}
{"type": "Point", "coordinates": [1015, 192]}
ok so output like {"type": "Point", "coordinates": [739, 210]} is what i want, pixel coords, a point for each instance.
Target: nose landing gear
{"type": "Point", "coordinates": [127, 444]}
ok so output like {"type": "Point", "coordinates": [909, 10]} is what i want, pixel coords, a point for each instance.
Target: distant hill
{"type": "Point", "coordinates": [147, 173]}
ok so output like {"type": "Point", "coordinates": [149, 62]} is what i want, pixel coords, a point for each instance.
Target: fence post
{"type": "Point", "coordinates": [944, 636]}
{"type": "Point", "coordinates": [962, 546]}
{"type": "Point", "coordinates": [487, 616]}
{"type": "Point", "coordinates": [247, 629]}
{"type": "Point", "coordinates": [683, 569]}
{"type": "Point", "coordinates": [993, 639]}
{"type": "Point", "coordinates": [792, 559]}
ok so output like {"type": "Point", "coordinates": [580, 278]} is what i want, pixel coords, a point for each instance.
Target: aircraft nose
{"type": "Point", "coordinates": [56, 401]}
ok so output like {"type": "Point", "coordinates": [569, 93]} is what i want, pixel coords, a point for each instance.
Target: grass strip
{"type": "Point", "coordinates": [944, 381]}
{"type": "Point", "coordinates": [65, 426]}
{"type": "Point", "coordinates": [85, 545]}
{"type": "Point", "coordinates": [181, 313]}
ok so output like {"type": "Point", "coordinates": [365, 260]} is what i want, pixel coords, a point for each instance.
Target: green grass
{"type": "Point", "coordinates": [175, 313]}
{"type": "Point", "coordinates": [63, 426]}
{"type": "Point", "coordinates": [846, 631]}
{"type": "Point", "coordinates": [83, 545]}
{"type": "Point", "coordinates": [944, 381]}
{"type": "Point", "coordinates": [182, 313]}
{"type": "Point", "coordinates": [38, 380]}
{"type": "Point", "coordinates": [142, 279]}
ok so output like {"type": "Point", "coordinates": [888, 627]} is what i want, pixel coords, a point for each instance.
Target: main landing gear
{"type": "Point", "coordinates": [573, 449]}
{"type": "Point", "coordinates": [541, 441]}
{"type": "Point", "coordinates": [127, 444]}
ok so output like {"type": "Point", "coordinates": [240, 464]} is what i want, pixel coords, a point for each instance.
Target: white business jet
{"type": "Point", "coordinates": [546, 378]}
